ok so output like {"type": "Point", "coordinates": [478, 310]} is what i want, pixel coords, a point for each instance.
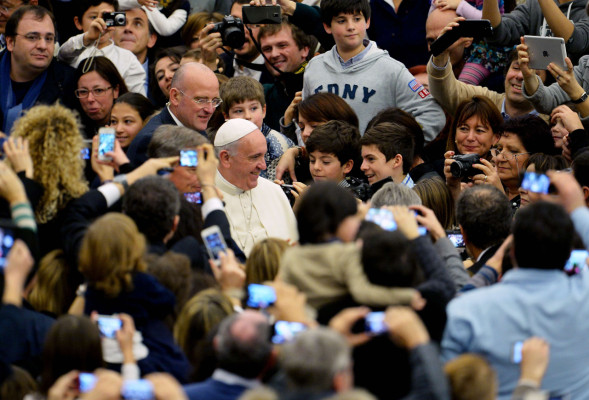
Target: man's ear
{"type": "Point", "coordinates": [78, 23]}
{"type": "Point", "coordinates": [327, 28]}
{"type": "Point", "coordinates": [10, 43]}
{"type": "Point", "coordinates": [586, 194]}
{"type": "Point", "coordinates": [462, 233]}
{"type": "Point", "coordinates": [398, 161]}
{"type": "Point", "coordinates": [305, 52]}
{"type": "Point", "coordinates": [224, 159]}
{"type": "Point", "coordinates": [174, 96]}
{"type": "Point", "coordinates": [347, 167]}
{"type": "Point", "coordinates": [152, 40]}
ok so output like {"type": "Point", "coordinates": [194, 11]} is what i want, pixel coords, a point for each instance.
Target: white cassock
{"type": "Point", "coordinates": [258, 213]}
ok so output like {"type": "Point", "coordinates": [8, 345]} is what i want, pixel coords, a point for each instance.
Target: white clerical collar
{"type": "Point", "coordinates": [173, 116]}
{"type": "Point", "coordinates": [227, 186]}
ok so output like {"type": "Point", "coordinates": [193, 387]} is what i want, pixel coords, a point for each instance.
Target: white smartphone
{"type": "Point", "coordinates": [546, 50]}
{"type": "Point", "coordinates": [214, 242]}
{"type": "Point", "coordinates": [106, 143]}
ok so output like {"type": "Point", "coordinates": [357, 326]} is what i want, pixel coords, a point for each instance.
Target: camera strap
{"type": "Point", "coordinates": [249, 65]}
{"type": "Point", "coordinates": [257, 44]}
{"type": "Point", "coordinates": [90, 59]}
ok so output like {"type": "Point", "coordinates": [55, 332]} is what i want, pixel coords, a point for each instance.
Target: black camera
{"type": "Point", "coordinates": [231, 30]}
{"type": "Point", "coordinates": [462, 165]}
{"type": "Point", "coordinates": [287, 189]}
{"type": "Point", "coordinates": [114, 18]}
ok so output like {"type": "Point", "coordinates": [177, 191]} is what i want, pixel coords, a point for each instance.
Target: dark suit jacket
{"type": "Point", "coordinates": [137, 152]}
{"type": "Point", "coordinates": [212, 389]}
{"type": "Point", "coordinates": [474, 268]}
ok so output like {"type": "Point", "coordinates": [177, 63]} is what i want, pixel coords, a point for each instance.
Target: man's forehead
{"type": "Point", "coordinates": [36, 24]}
{"type": "Point", "coordinates": [136, 13]}
{"type": "Point", "coordinates": [284, 34]}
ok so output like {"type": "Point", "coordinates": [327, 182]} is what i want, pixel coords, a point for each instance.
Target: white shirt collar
{"type": "Point", "coordinates": [173, 116]}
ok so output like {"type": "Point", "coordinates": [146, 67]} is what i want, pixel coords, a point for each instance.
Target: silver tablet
{"type": "Point", "coordinates": [544, 50]}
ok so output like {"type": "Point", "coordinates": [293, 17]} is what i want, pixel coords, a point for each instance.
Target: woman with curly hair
{"type": "Point", "coordinates": [47, 159]}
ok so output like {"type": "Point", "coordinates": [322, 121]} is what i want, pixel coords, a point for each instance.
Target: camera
{"type": "Point", "coordinates": [231, 30]}
{"type": "Point", "coordinates": [114, 18]}
{"type": "Point", "coordinates": [287, 189]}
{"type": "Point", "coordinates": [462, 165]}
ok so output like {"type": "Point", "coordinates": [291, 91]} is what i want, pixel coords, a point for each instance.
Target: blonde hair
{"type": "Point", "coordinates": [264, 260]}
{"type": "Point", "coordinates": [471, 378]}
{"type": "Point", "coordinates": [112, 249]}
{"type": "Point", "coordinates": [55, 143]}
{"type": "Point", "coordinates": [51, 291]}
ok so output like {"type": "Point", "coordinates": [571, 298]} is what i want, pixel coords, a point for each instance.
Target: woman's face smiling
{"type": "Point", "coordinates": [512, 156]}
{"type": "Point", "coordinates": [127, 123]}
{"type": "Point", "coordinates": [474, 137]}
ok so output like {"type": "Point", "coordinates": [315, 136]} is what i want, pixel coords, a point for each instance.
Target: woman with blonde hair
{"type": "Point", "coordinates": [264, 260]}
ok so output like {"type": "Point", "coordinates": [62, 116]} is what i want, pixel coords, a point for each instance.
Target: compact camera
{"type": "Point", "coordinates": [462, 165]}
{"type": "Point", "coordinates": [116, 18]}
{"type": "Point", "coordinates": [231, 30]}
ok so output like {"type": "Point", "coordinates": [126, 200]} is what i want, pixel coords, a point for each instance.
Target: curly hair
{"type": "Point", "coordinates": [55, 143]}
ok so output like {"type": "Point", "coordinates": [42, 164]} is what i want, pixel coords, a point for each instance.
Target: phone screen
{"type": "Point", "coordinates": [285, 331]}
{"type": "Point", "coordinates": [195, 197]}
{"type": "Point", "coordinates": [577, 261]}
{"type": "Point", "coordinates": [537, 183]}
{"type": "Point", "coordinates": [106, 143]}
{"type": "Point", "coordinates": [456, 239]}
{"type": "Point", "coordinates": [108, 326]}
{"type": "Point", "coordinates": [87, 381]}
{"type": "Point", "coordinates": [382, 217]}
{"type": "Point", "coordinates": [140, 389]}
{"type": "Point", "coordinates": [215, 243]}
{"type": "Point", "coordinates": [260, 296]}
{"type": "Point", "coordinates": [375, 323]}
{"type": "Point", "coordinates": [6, 243]}
{"type": "Point", "coordinates": [188, 158]}
{"type": "Point", "coordinates": [516, 354]}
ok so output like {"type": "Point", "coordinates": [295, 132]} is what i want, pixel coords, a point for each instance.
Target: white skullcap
{"type": "Point", "coordinates": [233, 130]}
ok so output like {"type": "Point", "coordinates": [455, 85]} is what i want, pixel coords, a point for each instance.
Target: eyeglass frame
{"type": "Point", "coordinates": [37, 37]}
{"type": "Point", "coordinates": [92, 91]}
{"type": "Point", "coordinates": [507, 158]}
{"type": "Point", "coordinates": [204, 102]}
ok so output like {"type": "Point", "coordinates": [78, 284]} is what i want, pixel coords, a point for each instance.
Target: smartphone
{"type": "Point", "coordinates": [262, 15]}
{"type": "Point", "coordinates": [194, 197]}
{"type": "Point", "coordinates": [534, 182]}
{"type": "Point", "coordinates": [140, 389]}
{"type": "Point", "coordinates": [285, 331]}
{"type": "Point", "coordinates": [382, 217]}
{"type": "Point", "coordinates": [546, 50]}
{"type": "Point", "coordinates": [106, 143]}
{"type": "Point", "coordinates": [516, 352]}
{"type": "Point", "coordinates": [576, 262]}
{"type": "Point", "coordinates": [468, 28]}
{"type": "Point", "coordinates": [260, 296]}
{"type": "Point", "coordinates": [7, 237]}
{"type": "Point", "coordinates": [214, 242]}
{"type": "Point", "coordinates": [375, 323]}
{"type": "Point", "coordinates": [456, 239]}
{"type": "Point", "coordinates": [188, 158]}
{"type": "Point", "coordinates": [87, 381]}
{"type": "Point", "coordinates": [109, 325]}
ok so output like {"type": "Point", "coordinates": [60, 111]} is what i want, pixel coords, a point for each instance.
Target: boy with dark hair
{"type": "Point", "coordinates": [96, 41]}
{"type": "Point", "coordinates": [243, 97]}
{"type": "Point", "coordinates": [366, 77]}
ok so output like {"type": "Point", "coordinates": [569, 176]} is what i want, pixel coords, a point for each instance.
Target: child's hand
{"type": "Point", "coordinates": [148, 3]}
{"type": "Point", "coordinates": [97, 27]}
{"type": "Point", "coordinates": [447, 4]}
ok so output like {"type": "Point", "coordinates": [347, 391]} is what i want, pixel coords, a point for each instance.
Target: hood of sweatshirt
{"type": "Point", "coordinates": [332, 62]}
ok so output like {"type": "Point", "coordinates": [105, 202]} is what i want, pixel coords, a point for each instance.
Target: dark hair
{"type": "Point", "coordinates": [39, 14]}
{"type": "Point", "coordinates": [321, 210]}
{"type": "Point", "coordinates": [332, 8]}
{"type": "Point", "coordinates": [543, 235]}
{"type": "Point", "coordinates": [152, 202]}
{"type": "Point", "coordinates": [175, 54]}
{"type": "Point", "coordinates": [391, 138]}
{"type": "Point", "coordinates": [301, 39]}
{"type": "Point", "coordinates": [533, 132]}
{"type": "Point", "coordinates": [484, 213]}
{"type": "Point", "coordinates": [481, 107]}
{"type": "Point", "coordinates": [396, 115]}
{"type": "Point", "coordinates": [60, 356]}
{"type": "Point", "coordinates": [196, 22]}
{"type": "Point", "coordinates": [105, 68]}
{"type": "Point", "coordinates": [581, 167]}
{"type": "Point", "coordinates": [336, 137]}
{"type": "Point", "coordinates": [83, 5]}
{"type": "Point", "coordinates": [511, 57]}
{"type": "Point", "coordinates": [139, 102]}
{"type": "Point", "coordinates": [323, 107]}
{"type": "Point", "coordinates": [544, 162]}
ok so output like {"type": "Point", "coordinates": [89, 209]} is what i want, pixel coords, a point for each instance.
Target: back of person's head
{"type": "Point", "coordinates": [533, 132]}
{"type": "Point", "coordinates": [321, 210]}
{"type": "Point", "coordinates": [38, 12]}
{"type": "Point", "coordinates": [51, 292]}
{"type": "Point", "coordinates": [17, 385]}
{"type": "Point", "coordinates": [392, 138]}
{"type": "Point", "coordinates": [73, 342]}
{"type": "Point", "coordinates": [480, 107]}
{"type": "Point", "coordinates": [581, 167]}
{"type": "Point", "coordinates": [139, 103]}
{"type": "Point", "coordinates": [314, 358]}
{"type": "Point", "coordinates": [485, 215]}
{"type": "Point", "coordinates": [338, 138]}
{"type": "Point", "coordinates": [264, 260]}
{"type": "Point", "coordinates": [388, 260]}
{"type": "Point", "coordinates": [394, 194]}
{"type": "Point", "coordinates": [111, 251]}
{"type": "Point", "coordinates": [332, 8]}
{"type": "Point", "coordinates": [545, 162]}
{"type": "Point", "coordinates": [239, 89]}
{"type": "Point", "coordinates": [471, 377]}
{"type": "Point", "coordinates": [103, 67]}
{"type": "Point", "coordinates": [543, 235]}
{"type": "Point", "coordinates": [83, 5]}
{"type": "Point", "coordinates": [323, 107]}
{"type": "Point", "coordinates": [55, 143]}
{"type": "Point", "coordinates": [398, 116]}
{"type": "Point", "coordinates": [242, 344]}
{"type": "Point", "coordinates": [168, 140]}
{"type": "Point", "coordinates": [153, 203]}
{"type": "Point", "coordinates": [434, 194]}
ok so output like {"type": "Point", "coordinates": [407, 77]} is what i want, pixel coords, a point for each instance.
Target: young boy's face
{"type": "Point", "coordinates": [327, 167]}
{"type": "Point", "coordinates": [375, 165]}
{"type": "Point", "coordinates": [90, 15]}
{"type": "Point", "coordinates": [251, 110]}
{"type": "Point", "coordinates": [348, 30]}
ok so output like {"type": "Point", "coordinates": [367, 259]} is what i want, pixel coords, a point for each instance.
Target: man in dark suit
{"type": "Point", "coordinates": [243, 350]}
{"type": "Point", "coordinates": [194, 95]}
{"type": "Point", "coordinates": [484, 217]}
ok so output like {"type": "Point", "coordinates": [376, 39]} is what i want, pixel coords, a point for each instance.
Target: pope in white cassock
{"type": "Point", "coordinates": [256, 207]}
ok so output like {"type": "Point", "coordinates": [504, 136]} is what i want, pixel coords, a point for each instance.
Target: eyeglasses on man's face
{"type": "Point", "coordinates": [202, 102]}
{"type": "Point", "coordinates": [35, 37]}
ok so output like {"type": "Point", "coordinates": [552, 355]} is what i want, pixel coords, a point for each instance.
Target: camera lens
{"type": "Point", "coordinates": [234, 37]}
{"type": "Point", "coordinates": [120, 19]}
{"type": "Point", "coordinates": [457, 168]}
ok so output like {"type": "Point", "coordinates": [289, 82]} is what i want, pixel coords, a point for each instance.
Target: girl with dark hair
{"type": "Point", "coordinates": [129, 115]}
{"type": "Point", "coordinates": [162, 70]}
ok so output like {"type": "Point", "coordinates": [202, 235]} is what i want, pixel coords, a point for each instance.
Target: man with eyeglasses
{"type": "Point", "coordinates": [194, 95]}
{"type": "Point", "coordinates": [28, 73]}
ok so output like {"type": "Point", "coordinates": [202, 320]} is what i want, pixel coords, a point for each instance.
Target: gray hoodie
{"type": "Point", "coordinates": [374, 83]}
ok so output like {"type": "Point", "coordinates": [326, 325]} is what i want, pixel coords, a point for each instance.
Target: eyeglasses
{"type": "Point", "coordinates": [96, 92]}
{"type": "Point", "coordinates": [6, 10]}
{"type": "Point", "coordinates": [34, 37]}
{"type": "Point", "coordinates": [216, 102]}
{"type": "Point", "coordinates": [496, 151]}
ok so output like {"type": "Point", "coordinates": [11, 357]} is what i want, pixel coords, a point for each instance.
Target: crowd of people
{"type": "Point", "coordinates": [218, 200]}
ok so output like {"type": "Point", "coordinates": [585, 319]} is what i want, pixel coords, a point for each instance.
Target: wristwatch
{"type": "Point", "coordinates": [581, 99]}
{"type": "Point", "coordinates": [122, 179]}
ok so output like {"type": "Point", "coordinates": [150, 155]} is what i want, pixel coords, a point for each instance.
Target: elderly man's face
{"type": "Point", "coordinates": [247, 161]}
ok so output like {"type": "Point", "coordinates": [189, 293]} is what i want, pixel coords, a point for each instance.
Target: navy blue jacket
{"type": "Point", "coordinates": [137, 152]}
